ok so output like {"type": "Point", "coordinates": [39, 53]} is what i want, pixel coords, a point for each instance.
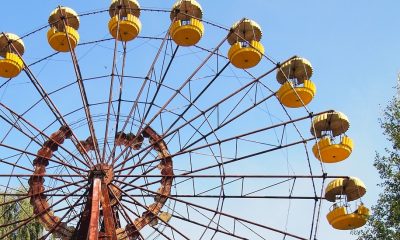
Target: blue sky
{"type": "Point", "coordinates": [353, 46]}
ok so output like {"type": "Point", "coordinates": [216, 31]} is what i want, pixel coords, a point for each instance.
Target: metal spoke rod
{"type": "Point", "coordinates": [49, 102]}
{"type": "Point", "coordinates": [82, 89]}
{"type": "Point", "coordinates": [177, 91]}
{"type": "Point", "coordinates": [147, 209]}
{"type": "Point", "coordinates": [39, 131]}
{"type": "Point", "coordinates": [168, 133]}
{"type": "Point", "coordinates": [136, 102]}
{"type": "Point", "coordinates": [46, 191]}
{"type": "Point", "coordinates": [110, 94]}
{"type": "Point", "coordinates": [218, 212]}
{"type": "Point", "coordinates": [73, 168]}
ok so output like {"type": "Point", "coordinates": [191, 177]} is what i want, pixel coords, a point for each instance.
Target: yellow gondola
{"type": "Point", "coordinates": [297, 89]}
{"type": "Point", "coordinates": [341, 219]}
{"type": "Point", "coordinates": [246, 50]}
{"type": "Point", "coordinates": [63, 33]}
{"type": "Point", "coordinates": [11, 64]}
{"type": "Point", "coordinates": [347, 190]}
{"type": "Point", "coordinates": [328, 152]}
{"type": "Point", "coordinates": [328, 127]}
{"type": "Point", "coordinates": [186, 27]}
{"type": "Point", "coordinates": [124, 24]}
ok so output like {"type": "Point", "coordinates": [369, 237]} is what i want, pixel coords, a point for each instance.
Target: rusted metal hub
{"type": "Point", "coordinates": [103, 195]}
{"type": "Point", "coordinates": [106, 174]}
{"type": "Point", "coordinates": [103, 171]}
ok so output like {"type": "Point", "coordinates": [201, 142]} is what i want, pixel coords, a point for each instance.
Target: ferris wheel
{"type": "Point", "coordinates": [152, 131]}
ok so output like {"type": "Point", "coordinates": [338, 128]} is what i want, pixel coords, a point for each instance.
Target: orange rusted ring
{"type": "Point", "coordinates": [38, 199]}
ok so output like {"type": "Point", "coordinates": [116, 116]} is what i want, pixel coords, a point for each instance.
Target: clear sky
{"type": "Point", "coordinates": [352, 45]}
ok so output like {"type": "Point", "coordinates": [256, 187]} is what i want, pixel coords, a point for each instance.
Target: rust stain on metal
{"type": "Point", "coordinates": [95, 213]}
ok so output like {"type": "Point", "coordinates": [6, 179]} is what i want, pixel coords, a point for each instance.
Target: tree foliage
{"type": "Point", "coordinates": [384, 223]}
{"type": "Point", "coordinates": [12, 215]}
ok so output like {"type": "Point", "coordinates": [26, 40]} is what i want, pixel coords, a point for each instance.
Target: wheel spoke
{"type": "Point", "coordinates": [222, 213]}
{"type": "Point", "coordinates": [46, 97]}
{"type": "Point", "coordinates": [169, 132]}
{"type": "Point", "coordinates": [39, 131]}
{"type": "Point", "coordinates": [135, 103]}
{"type": "Point", "coordinates": [147, 209]}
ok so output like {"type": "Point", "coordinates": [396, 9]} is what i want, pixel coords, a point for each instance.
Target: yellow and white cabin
{"type": "Point", "coordinates": [124, 24]}
{"type": "Point", "coordinates": [339, 217]}
{"type": "Point", "coordinates": [63, 33]}
{"type": "Point", "coordinates": [246, 50]}
{"type": "Point", "coordinates": [341, 191]}
{"type": "Point", "coordinates": [11, 50]}
{"type": "Point", "coordinates": [328, 128]}
{"type": "Point", "coordinates": [297, 89]}
{"type": "Point", "coordinates": [186, 26]}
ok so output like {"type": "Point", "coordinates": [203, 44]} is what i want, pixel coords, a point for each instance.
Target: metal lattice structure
{"type": "Point", "coordinates": [172, 142]}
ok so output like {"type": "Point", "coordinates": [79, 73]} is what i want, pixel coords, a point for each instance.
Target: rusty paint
{"type": "Point", "coordinates": [95, 213]}
{"type": "Point", "coordinates": [108, 216]}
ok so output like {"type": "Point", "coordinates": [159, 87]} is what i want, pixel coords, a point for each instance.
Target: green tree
{"type": "Point", "coordinates": [11, 213]}
{"type": "Point", "coordinates": [384, 224]}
